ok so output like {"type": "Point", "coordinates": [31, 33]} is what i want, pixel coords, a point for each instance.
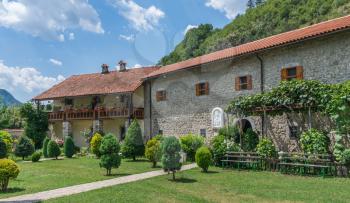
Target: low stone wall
{"type": "Point", "coordinates": [16, 133]}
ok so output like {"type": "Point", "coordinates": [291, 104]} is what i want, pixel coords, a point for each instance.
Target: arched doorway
{"type": "Point", "coordinates": [248, 139]}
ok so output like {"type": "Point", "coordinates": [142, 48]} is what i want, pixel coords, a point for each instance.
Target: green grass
{"type": "Point", "coordinates": [222, 186]}
{"type": "Point", "coordinates": [52, 174]}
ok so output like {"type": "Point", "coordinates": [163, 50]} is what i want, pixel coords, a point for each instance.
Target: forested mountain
{"type": "Point", "coordinates": [262, 19]}
{"type": "Point", "coordinates": [7, 99]}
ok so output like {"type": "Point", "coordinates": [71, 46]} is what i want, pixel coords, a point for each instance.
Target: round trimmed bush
{"type": "Point", "coordinates": [36, 156]}
{"type": "Point", "coordinates": [3, 149]}
{"type": "Point", "coordinates": [24, 148]}
{"type": "Point", "coordinates": [203, 158]}
{"type": "Point", "coordinates": [53, 150]}
{"type": "Point", "coordinates": [45, 143]}
{"type": "Point", "coordinates": [266, 149]}
{"type": "Point", "coordinates": [7, 138]}
{"type": "Point", "coordinates": [153, 151]}
{"type": "Point", "coordinates": [8, 169]}
{"type": "Point", "coordinates": [95, 144]}
{"type": "Point", "coordinates": [69, 149]}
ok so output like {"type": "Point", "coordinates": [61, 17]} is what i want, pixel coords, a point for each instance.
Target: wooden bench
{"type": "Point", "coordinates": [300, 163]}
{"type": "Point", "coordinates": [241, 160]}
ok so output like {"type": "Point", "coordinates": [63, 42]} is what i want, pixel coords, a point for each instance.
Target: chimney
{"type": "Point", "coordinates": [122, 66]}
{"type": "Point", "coordinates": [104, 69]}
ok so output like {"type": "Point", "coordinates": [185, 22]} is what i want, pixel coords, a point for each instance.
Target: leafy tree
{"type": "Point", "coordinates": [45, 143]}
{"type": "Point", "coordinates": [7, 138]}
{"type": "Point", "coordinates": [153, 151]}
{"type": "Point", "coordinates": [95, 144]}
{"type": "Point", "coordinates": [24, 147]}
{"type": "Point", "coordinates": [171, 154]}
{"type": "Point", "coordinates": [250, 4]}
{"type": "Point", "coordinates": [109, 150]}
{"type": "Point", "coordinates": [3, 149]}
{"type": "Point", "coordinates": [37, 124]}
{"type": "Point", "coordinates": [53, 150]}
{"type": "Point", "coordinates": [250, 140]}
{"type": "Point", "coordinates": [8, 170]}
{"type": "Point", "coordinates": [69, 147]}
{"type": "Point", "coordinates": [190, 143]}
{"type": "Point", "coordinates": [133, 144]}
{"type": "Point", "coordinates": [203, 158]}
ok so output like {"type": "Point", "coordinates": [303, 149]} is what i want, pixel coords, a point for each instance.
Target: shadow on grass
{"type": "Point", "coordinates": [13, 190]}
{"type": "Point", "coordinates": [183, 180]}
{"type": "Point", "coordinates": [119, 174]}
{"type": "Point", "coordinates": [137, 160]}
{"type": "Point", "coordinates": [210, 172]}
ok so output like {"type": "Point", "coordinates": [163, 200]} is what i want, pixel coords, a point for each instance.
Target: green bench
{"type": "Point", "coordinates": [241, 160]}
{"type": "Point", "coordinates": [303, 164]}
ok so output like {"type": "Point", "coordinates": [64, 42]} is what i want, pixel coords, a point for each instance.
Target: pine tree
{"type": "Point", "coordinates": [171, 154]}
{"type": "Point", "coordinates": [133, 144]}
{"type": "Point", "coordinates": [24, 148]}
{"type": "Point", "coordinates": [109, 150]}
{"type": "Point", "coordinates": [250, 4]}
{"type": "Point", "coordinates": [259, 2]}
{"type": "Point", "coordinates": [53, 150]}
{"type": "Point", "coordinates": [45, 143]}
{"type": "Point", "coordinates": [69, 147]}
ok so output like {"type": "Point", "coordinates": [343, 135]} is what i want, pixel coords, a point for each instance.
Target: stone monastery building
{"type": "Point", "coordinates": [191, 96]}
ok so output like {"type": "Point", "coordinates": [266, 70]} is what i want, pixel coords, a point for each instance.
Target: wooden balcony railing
{"type": "Point", "coordinates": [102, 113]}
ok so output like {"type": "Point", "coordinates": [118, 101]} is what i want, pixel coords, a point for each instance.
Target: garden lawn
{"type": "Point", "coordinates": [52, 174]}
{"type": "Point", "coordinates": [222, 186]}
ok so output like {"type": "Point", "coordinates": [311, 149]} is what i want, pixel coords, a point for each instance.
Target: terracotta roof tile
{"type": "Point", "coordinates": [259, 45]}
{"type": "Point", "coordinates": [97, 83]}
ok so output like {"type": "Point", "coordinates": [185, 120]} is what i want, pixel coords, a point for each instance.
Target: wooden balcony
{"type": "Point", "coordinates": [102, 113]}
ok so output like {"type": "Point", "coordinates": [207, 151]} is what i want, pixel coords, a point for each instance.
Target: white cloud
{"type": "Point", "coordinates": [142, 19]}
{"type": "Point", "coordinates": [129, 38]}
{"type": "Point", "coordinates": [137, 66]}
{"type": "Point", "coordinates": [189, 27]}
{"type": "Point", "coordinates": [49, 19]}
{"type": "Point", "coordinates": [231, 8]}
{"type": "Point", "coordinates": [56, 62]}
{"type": "Point", "coordinates": [71, 36]}
{"type": "Point", "coordinates": [25, 79]}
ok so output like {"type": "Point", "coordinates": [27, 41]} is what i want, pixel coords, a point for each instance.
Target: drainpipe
{"type": "Point", "coordinates": [150, 109]}
{"type": "Point", "coordinates": [262, 90]}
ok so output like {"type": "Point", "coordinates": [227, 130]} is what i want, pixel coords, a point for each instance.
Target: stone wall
{"type": "Point", "coordinates": [326, 59]}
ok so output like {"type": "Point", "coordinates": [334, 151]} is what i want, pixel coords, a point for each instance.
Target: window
{"type": "Point", "coordinates": [202, 89]}
{"type": "Point", "coordinates": [203, 132]}
{"type": "Point", "coordinates": [292, 73]}
{"type": "Point", "coordinates": [293, 131]}
{"type": "Point", "coordinates": [161, 95]}
{"type": "Point", "coordinates": [68, 102]}
{"type": "Point", "coordinates": [244, 83]}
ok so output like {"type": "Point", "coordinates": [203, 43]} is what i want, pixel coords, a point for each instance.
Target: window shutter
{"type": "Point", "coordinates": [300, 73]}
{"type": "Point", "coordinates": [197, 90]}
{"type": "Point", "coordinates": [250, 82]}
{"type": "Point", "coordinates": [284, 74]}
{"type": "Point", "coordinates": [207, 88]}
{"type": "Point", "coordinates": [158, 96]}
{"type": "Point", "coordinates": [237, 84]}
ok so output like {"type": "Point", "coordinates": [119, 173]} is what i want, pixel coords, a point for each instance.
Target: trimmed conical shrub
{"type": "Point", "coordinates": [69, 147]}
{"type": "Point", "coordinates": [45, 143]}
{"type": "Point", "coordinates": [53, 150]}
{"type": "Point", "coordinates": [133, 145]}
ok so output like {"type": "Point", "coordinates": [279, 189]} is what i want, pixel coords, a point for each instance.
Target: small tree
{"type": "Point", "coordinates": [53, 150]}
{"type": "Point", "coordinates": [7, 138]}
{"type": "Point", "coordinates": [24, 148]}
{"type": "Point", "coordinates": [69, 147]}
{"type": "Point", "coordinates": [153, 151]}
{"type": "Point", "coordinates": [3, 149]}
{"type": "Point", "coordinates": [203, 158]}
{"type": "Point", "coordinates": [171, 154]}
{"type": "Point", "coordinates": [314, 142]}
{"type": "Point", "coordinates": [45, 143]}
{"type": "Point", "coordinates": [190, 143]}
{"type": "Point", "coordinates": [109, 150]}
{"type": "Point", "coordinates": [133, 144]}
{"type": "Point", "coordinates": [95, 144]}
{"type": "Point", "coordinates": [8, 170]}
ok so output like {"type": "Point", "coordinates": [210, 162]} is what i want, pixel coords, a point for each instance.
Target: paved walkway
{"type": "Point", "coordinates": [50, 194]}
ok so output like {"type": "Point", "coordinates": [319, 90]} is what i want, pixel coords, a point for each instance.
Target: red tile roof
{"type": "Point", "coordinates": [260, 45]}
{"type": "Point", "coordinates": [97, 83]}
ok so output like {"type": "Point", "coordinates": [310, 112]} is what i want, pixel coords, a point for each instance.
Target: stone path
{"type": "Point", "coordinates": [50, 194]}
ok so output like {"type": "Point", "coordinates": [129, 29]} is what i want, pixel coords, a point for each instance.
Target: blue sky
{"type": "Point", "coordinates": [43, 42]}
